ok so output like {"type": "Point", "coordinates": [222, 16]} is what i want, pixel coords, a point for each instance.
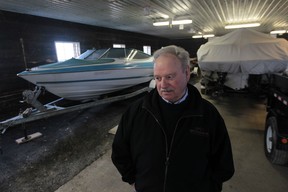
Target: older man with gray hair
{"type": "Point", "coordinates": [173, 140]}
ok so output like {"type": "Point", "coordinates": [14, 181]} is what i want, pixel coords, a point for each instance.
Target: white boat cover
{"type": "Point", "coordinates": [244, 51]}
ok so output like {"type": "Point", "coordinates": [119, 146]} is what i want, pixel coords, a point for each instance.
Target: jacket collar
{"type": "Point", "coordinates": [194, 104]}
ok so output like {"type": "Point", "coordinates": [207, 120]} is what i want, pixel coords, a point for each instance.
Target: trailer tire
{"type": "Point", "coordinates": [273, 154]}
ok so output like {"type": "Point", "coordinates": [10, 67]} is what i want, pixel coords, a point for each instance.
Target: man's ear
{"type": "Point", "coordinates": [188, 72]}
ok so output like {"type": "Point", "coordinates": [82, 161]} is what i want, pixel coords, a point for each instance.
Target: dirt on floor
{"type": "Point", "coordinates": [68, 144]}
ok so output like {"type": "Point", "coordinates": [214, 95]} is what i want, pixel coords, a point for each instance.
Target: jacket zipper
{"type": "Point", "coordinates": [166, 148]}
{"type": "Point", "coordinates": [171, 144]}
{"type": "Point", "coordinates": [168, 152]}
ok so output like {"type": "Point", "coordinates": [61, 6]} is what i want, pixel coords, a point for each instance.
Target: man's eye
{"type": "Point", "coordinates": [169, 77]}
{"type": "Point", "coordinates": [157, 78]}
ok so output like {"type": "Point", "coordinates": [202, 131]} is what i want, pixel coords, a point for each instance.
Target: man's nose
{"type": "Point", "coordinates": [163, 83]}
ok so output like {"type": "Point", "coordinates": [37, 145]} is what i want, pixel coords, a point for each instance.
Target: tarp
{"type": "Point", "coordinates": [244, 51]}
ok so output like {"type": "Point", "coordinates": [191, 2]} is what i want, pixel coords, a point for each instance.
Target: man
{"type": "Point", "coordinates": [173, 140]}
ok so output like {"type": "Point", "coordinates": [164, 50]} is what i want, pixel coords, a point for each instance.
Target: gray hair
{"type": "Point", "coordinates": [179, 52]}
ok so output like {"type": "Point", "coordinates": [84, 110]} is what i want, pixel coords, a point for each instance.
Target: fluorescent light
{"type": "Point", "coordinates": [278, 32]}
{"type": "Point", "coordinates": [175, 22]}
{"type": "Point", "coordinates": [197, 36]}
{"type": "Point", "coordinates": [180, 22]}
{"type": "Point", "coordinates": [208, 35]}
{"type": "Point", "coordinates": [162, 23]}
{"type": "Point", "coordinates": [203, 36]}
{"type": "Point", "coordinates": [242, 25]}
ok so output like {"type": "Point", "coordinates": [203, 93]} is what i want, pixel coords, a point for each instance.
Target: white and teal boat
{"type": "Point", "coordinates": [92, 74]}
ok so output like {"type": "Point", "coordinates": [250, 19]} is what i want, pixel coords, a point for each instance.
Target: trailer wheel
{"type": "Point", "coordinates": [273, 154]}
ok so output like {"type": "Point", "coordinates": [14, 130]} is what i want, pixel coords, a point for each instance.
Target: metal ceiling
{"type": "Point", "coordinates": [209, 16]}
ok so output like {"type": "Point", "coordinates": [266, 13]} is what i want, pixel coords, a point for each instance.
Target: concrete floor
{"type": "Point", "coordinates": [245, 119]}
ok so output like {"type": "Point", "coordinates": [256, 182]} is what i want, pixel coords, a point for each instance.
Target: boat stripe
{"type": "Point", "coordinates": [95, 67]}
{"type": "Point", "coordinates": [88, 80]}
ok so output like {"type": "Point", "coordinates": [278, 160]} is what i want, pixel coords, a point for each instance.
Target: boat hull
{"type": "Point", "coordinates": [89, 84]}
{"type": "Point", "coordinates": [93, 74]}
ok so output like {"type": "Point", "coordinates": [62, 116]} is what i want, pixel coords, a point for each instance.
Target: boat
{"type": "Point", "coordinates": [94, 73]}
{"type": "Point", "coordinates": [241, 59]}
{"type": "Point", "coordinates": [244, 51]}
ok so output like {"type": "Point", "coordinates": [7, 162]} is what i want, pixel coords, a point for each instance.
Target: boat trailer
{"type": "Point", "coordinates": [40, 111]}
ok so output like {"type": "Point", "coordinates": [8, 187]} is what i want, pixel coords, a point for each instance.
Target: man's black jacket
{"type": "Point", "coordinates": [199, 158]}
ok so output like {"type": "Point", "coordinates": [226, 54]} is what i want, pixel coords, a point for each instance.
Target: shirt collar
{"type": "Point", "coordinates": [180, 100]}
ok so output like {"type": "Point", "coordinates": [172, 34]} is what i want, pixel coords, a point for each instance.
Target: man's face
{"type": "Point", "coordinates": [171, 79]}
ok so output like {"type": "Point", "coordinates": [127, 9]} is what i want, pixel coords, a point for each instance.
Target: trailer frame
{"type": "Point", "coordinates": [276, 124]}
{"type": "Point", "coordinates": [32, 114]}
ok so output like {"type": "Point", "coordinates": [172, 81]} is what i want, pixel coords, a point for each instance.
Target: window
{"type": "Point", "coordinates": [141, 55]}
{"type": "Point", "coordinates": [92, 54]}
{"type": "Point", "coordinates": [119, 46]}
{"type": "Point", "coordinates": [67, 50]}
{"type": "Point", "coordinates": [115, 53]}
{"type": "Point", "coordinates": [147, 49]}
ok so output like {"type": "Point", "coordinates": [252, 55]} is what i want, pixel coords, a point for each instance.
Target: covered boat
{"type": "Point", "coordinates": [94, 73]}
{"type": "Point", "coordinates": [241, 53]}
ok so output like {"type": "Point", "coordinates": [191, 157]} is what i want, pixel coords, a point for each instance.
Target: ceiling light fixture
{"type": "Point", "coordinates": [175, 22]}
{"type": "Point", "coordinates": [208, 35]}
{"type": "Point", "coordinates": [278, 32]}
{"type": "Point", "coordinates": [242, 25]}
{"type": "Point", "coordinates": [161, 23]}
{"type": "Point", "coordinates": [181, 22]}
{"type": "Point", "coordinates": [203, 36]}
{"type": "Point", "coordinates": [197, 36]}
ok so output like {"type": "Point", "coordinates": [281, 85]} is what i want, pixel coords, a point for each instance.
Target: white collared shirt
{"type": "Point", "coordinates": [180, 100]}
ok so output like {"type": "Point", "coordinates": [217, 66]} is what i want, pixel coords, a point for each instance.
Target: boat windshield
{"type": "Point", "coordinates": [92, 54]}
{"type": "Point", "coordinates": [113, 53]}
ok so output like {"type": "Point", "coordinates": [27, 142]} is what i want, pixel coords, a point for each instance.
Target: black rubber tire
{"type": "Point", "coordinates": [273, 154]}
